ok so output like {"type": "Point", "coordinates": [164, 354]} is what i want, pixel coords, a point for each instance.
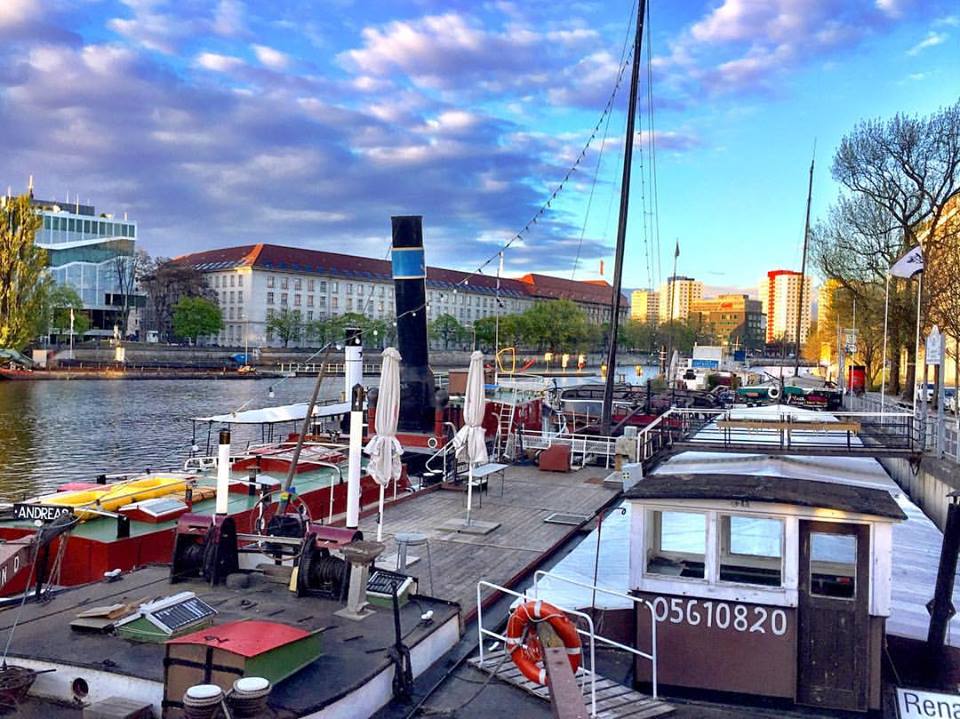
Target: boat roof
{"type": "Point", "coordinates": [280, 413]}
{"type": "Point", "coordinates": [769, 489]}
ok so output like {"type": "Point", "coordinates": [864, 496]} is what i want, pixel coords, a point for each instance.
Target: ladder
{"type": "Point", "coordinates": [506, 443]}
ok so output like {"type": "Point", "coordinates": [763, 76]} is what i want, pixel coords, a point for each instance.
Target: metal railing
{"type": "Point", "coordinates": [651, 657]}
{"type": "Point", "coordinates": [588, 672]}
{"type": "Point", "coordinates": [926, 429]}
{"type": "Point", "coordinates": [584, 448]}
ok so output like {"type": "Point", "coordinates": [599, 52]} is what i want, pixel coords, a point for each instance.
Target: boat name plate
{"type": "Point", "coordinates": [41, 512]}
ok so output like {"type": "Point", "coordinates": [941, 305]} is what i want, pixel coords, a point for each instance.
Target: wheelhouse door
{"type": "Point", "coordinates": [832, 652]}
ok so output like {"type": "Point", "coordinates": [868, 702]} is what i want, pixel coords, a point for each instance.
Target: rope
{"type": "Point", "coordinates": [26, 593]}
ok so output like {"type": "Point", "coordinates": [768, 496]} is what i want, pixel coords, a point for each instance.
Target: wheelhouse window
{"type": "Point", "coordinates": [833, 565]}
{"type": "Point", "coordinates": [678, 544]}
{"type": "Point", "coordinates": [751, 550]}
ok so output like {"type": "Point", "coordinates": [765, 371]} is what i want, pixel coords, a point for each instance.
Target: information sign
{"type": "Point", "coordinates": [934, 347]}
{"type": "Point", "coordinates": [920, 704]}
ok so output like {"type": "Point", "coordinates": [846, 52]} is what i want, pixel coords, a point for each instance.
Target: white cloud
{"type": "Point", "coordinates": [931, 40]}
{"type": "Point", "coordinates": [273, 59]}
{"type": "Point", "coordinates": [16, 12]}
{"type": "Point", "coordinates": [228, 18]}
{"type": "Point", "coordinates": [217, 63]}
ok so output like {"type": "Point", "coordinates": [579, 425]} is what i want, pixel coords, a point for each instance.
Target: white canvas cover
{"type": "Point", "coordinates": [384, 448]}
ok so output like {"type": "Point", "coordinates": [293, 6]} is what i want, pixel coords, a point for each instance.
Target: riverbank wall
{"type": "Point", "coordinates": [928, 483]}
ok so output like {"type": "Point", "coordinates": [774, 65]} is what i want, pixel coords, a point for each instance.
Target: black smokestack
{"type": "Point", "coordinates": [409, 272]}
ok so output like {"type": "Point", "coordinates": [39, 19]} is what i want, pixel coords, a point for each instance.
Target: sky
{"type": "Point", "coordinates": [215, 123]}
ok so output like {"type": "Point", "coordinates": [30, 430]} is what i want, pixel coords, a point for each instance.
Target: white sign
{"type": "Point", "coordinates": [916, 703]}
{"type": "Point", "coordinates": [934, 347]}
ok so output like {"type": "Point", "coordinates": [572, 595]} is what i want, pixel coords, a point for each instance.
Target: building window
{"type": "Point", "coordinates": [239, 280]}
{"type": "Point", "coordinates": [349, 288]}
{"type": "Point", "coordinates": [283, 298]}
{"type": "Point", "coordinates": [296, 300]}
{"type": "Point", "coordinates": [322, 301]}
{"type": "Point", "coordinates": [678, 544]}
{"type": "Point", "coordinates": [310, 285]}
{"type": "Point", "coordinates": [271, 280]}
{"type": "Point", "coordinates": [751, 550]}
{"type": "Point", "coordinates": [382, 290]}
{"type": "Point", "coordinates": [323, 286]}
{"type": "Point", "coordinates": [309, 316]}
{"type": "Point", "coordinates": [309, 300]}
{"type": "Point", "coordinates": [333, 303]}
{"type": "Point", "coordinates": [334, 286]}
{"type": "Point", "coordinates": [833, 565]}
{"type": "Point", "coordinates": [296, 284]}
{"type": "Point", "coordinates": [233, 280]}
{"type": "Point", "coordinates": [269, 298]}
{"type": "Point", "coordinates": [349, 304]}
{"type": "Point", "coordinates": [283, 283]}
{"type": "Point", "coordinates": [233, 295]}
{"type": "Point", "coordinates": [240, 296]}
{"type": "Point", "coordinates": [230, 314]}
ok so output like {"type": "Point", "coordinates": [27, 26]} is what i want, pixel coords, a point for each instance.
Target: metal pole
{"type": "Point", "coordinates": [803, 268]}
{"type": "Point", "coordinates": [622, 224]}
{"type": "Point", "coordinates": [941, 606]}
{"type": "Point", "coordinates": [353, 467]}
{"type": "Point", "coordinates": [883, 366]}
{"type": "Point", "coordinates": [223, 473]}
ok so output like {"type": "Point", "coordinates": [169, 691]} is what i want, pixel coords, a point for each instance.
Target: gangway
{"type": "Point", "coordinates": [779, 431]}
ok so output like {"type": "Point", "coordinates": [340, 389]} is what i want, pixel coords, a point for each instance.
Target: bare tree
{"type": "Point", "coordinates": [909, 167]}
{"type": "Point", "coordinates": [165, 281]}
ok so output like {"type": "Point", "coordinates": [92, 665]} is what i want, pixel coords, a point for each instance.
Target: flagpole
{"type": "Point", "coordinates": [883, 366]}
{"type": "Point", "coordinates": [916, 350]}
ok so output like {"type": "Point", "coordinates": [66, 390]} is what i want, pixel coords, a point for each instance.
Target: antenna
{"type": "Point", "coordinates": [30, 187]}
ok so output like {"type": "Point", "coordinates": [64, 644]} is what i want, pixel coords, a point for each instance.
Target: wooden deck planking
{"type": "Point", "coordinates": [523, 538]}
{"type": "Point", "coordinates": [614, 701]}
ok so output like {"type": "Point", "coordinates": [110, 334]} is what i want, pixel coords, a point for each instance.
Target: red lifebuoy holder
{"type": "Point", "coordinates": [524, 646]}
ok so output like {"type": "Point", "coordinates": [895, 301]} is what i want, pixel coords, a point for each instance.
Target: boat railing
{"type": "Point", "coordinates": [926, 428]}
{"type": "Point", "coordinates": [584, 448]}
{"type": "Point", "coordinates": [587, 673]}
{"type": "Point", "coordinates": [636, 601]}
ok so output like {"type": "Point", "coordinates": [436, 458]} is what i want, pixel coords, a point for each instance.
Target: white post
{"type": "Point", "coordinates": [883, 365]}
{"type": "Point", "coordinates": [356, 445]}
{"type": "Point", "coordinates": [352, 360]}
{"type": "Point", "coordinates": [380, 515]}
{"type": "Point", "coordinates": [469, 490]}
{"type": "Point", "coordinates": [223, 472]}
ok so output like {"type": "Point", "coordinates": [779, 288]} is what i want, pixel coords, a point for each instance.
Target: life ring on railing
{"type": "Point", "coordinates": [773, 393]}
{"type": "Point", "coordinates": [524, 646]}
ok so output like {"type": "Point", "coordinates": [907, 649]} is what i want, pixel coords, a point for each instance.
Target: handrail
{"type": "Point", "coordinates": [652, 657]}
{"type": "Point", "coordinates": [481, 632]}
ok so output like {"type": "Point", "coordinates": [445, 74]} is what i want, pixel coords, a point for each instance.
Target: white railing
{"type": "Point", "coordinates": [586, 446]}
{"type": "Point", "coordinates": [588, 672]}
{"type": "Point", "coordinates": [651, 657]}
{"type": "Point", "coordinates": [926, 427]}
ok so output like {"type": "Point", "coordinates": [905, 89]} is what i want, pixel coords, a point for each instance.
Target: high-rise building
{"type": "Point", "coordinates": [677, 295]}
{"type": "Point", "coordinates": [736, 320]}
{"type": "Point", "coordinates": [645, 306]}
{"type": "Point", "coordinates": [93, 254]}
{"type": "Point", "coordinates": [780, 295]}
{"type": "Point", "coordinates": [825, 299]}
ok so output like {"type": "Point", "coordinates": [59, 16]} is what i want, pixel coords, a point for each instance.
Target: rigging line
{"type": "Point", "coordinates": [624, 50]}
{"type": "Point", "coordinates": [644, 214]}
{"type": "Point", "coordinates": [651, 138]}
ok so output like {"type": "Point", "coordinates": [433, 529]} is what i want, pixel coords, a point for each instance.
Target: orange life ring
{"type": "Point", "coordinates": [529, 658]}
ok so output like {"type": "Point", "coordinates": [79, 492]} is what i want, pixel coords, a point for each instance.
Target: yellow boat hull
{"type": "Point", "coordinates": [110, 498]}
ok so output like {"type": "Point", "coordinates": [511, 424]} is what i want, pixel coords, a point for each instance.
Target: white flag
{"type": "Point", "coordinates": [910, 265]}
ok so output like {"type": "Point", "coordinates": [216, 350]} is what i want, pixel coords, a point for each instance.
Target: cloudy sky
{"type": "Point", "coordinates": [309, 122]}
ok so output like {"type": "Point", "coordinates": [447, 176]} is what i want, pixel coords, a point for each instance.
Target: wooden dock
{"type": "Point", "coordinates": [614, 701]}
{"type": "Point", "coordinates": [512, 550]}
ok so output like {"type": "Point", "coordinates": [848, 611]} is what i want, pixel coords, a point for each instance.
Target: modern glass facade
{"type": "Point", "coordinates": [93, 255]}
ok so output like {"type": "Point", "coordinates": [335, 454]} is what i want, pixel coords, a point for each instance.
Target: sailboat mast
{"type": "Point", "coordinates": [803, 271]}
{"type": "Point", "coordinates": [622, 225]}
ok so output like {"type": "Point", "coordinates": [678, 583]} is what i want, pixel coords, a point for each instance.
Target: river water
{"type": "Point", "coordinates": [53, 432]}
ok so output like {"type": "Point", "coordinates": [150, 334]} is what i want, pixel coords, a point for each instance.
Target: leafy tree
{"type": "Point", "coordinates": [446, 328]}
{"type": "Point", "coordinates": [59, 301]}
{"type": "Point", "coordinates": [485, 329]}
{"type": "Point", "coordinates": [196, 316]}
{"type": "Point", "coordinates": [286, 324]}
{"type": "Point", "coordinates": [24, 283]}
{"type": "Point", "coordinates": [376, 333]}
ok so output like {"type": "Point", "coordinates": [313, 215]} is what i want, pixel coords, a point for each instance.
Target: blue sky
{"type": "Point", "coordinates": [223, 122]}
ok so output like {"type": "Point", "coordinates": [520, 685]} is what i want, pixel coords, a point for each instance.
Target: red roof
{"type": "Point", "coordinates": [295, 259]}
{"type": "Point", "coordinates": [246, 638]}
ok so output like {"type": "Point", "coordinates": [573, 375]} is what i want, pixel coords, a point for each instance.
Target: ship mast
{"type": "Point", "coordinates": [622, 225]}
{"type": "Point", "coordinates": [803, 271]}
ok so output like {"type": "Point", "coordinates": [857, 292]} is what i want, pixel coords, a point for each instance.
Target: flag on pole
{"type": "Point", "coordinates": [676, 252]}
{"type": "Point", "coordinates": [910, 265]}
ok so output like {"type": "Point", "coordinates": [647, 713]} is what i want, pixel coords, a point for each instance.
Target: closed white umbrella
{"type": "Point", "coordinates": [470, 440]}
{"type": "Point", "coordinates": [384, 448]}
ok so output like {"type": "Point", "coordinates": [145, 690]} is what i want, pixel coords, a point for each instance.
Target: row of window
{"type": "Point", "coordinates": [750, 552]}
{"type": "Point", "coordinates": [236, 280]}
{"type": "Point", "coordinates": [99, 228]}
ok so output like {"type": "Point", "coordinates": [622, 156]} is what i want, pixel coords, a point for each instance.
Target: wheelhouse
{"type": "Point", "coordinates": [764, 586]}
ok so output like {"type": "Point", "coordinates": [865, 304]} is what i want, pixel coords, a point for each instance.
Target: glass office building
{"type": "Point", "coordinates": [94, 256]}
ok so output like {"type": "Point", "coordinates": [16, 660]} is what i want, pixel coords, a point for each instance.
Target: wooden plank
{"type": "Point", "coordinates": [566, 701]}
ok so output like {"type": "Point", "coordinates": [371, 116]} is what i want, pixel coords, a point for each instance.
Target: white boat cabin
{"type": "Point", "coordinates": [764, 586]}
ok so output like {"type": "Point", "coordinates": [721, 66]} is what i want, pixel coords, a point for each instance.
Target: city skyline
{"type": "Point", "coordinates": [215, 124]}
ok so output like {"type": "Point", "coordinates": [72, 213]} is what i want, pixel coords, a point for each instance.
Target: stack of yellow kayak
{"type": "Point", "coordinates": [111, 497]}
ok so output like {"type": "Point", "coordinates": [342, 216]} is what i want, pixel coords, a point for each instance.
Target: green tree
{"type": "Point", "coordinates": [59, 301]}
{"type": "Point", "coordinates": [446, 328]}
{"type": "Point", "coordinates": [286, 324]}
{"type": "Point", "coordinates": [196, 316]}
{"type": "Point", "coordinates": [24, 283]}
{"type": "Point", "coordinates": [557, 325]}
{"type": "Point", "coordinates": [376, 333]}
